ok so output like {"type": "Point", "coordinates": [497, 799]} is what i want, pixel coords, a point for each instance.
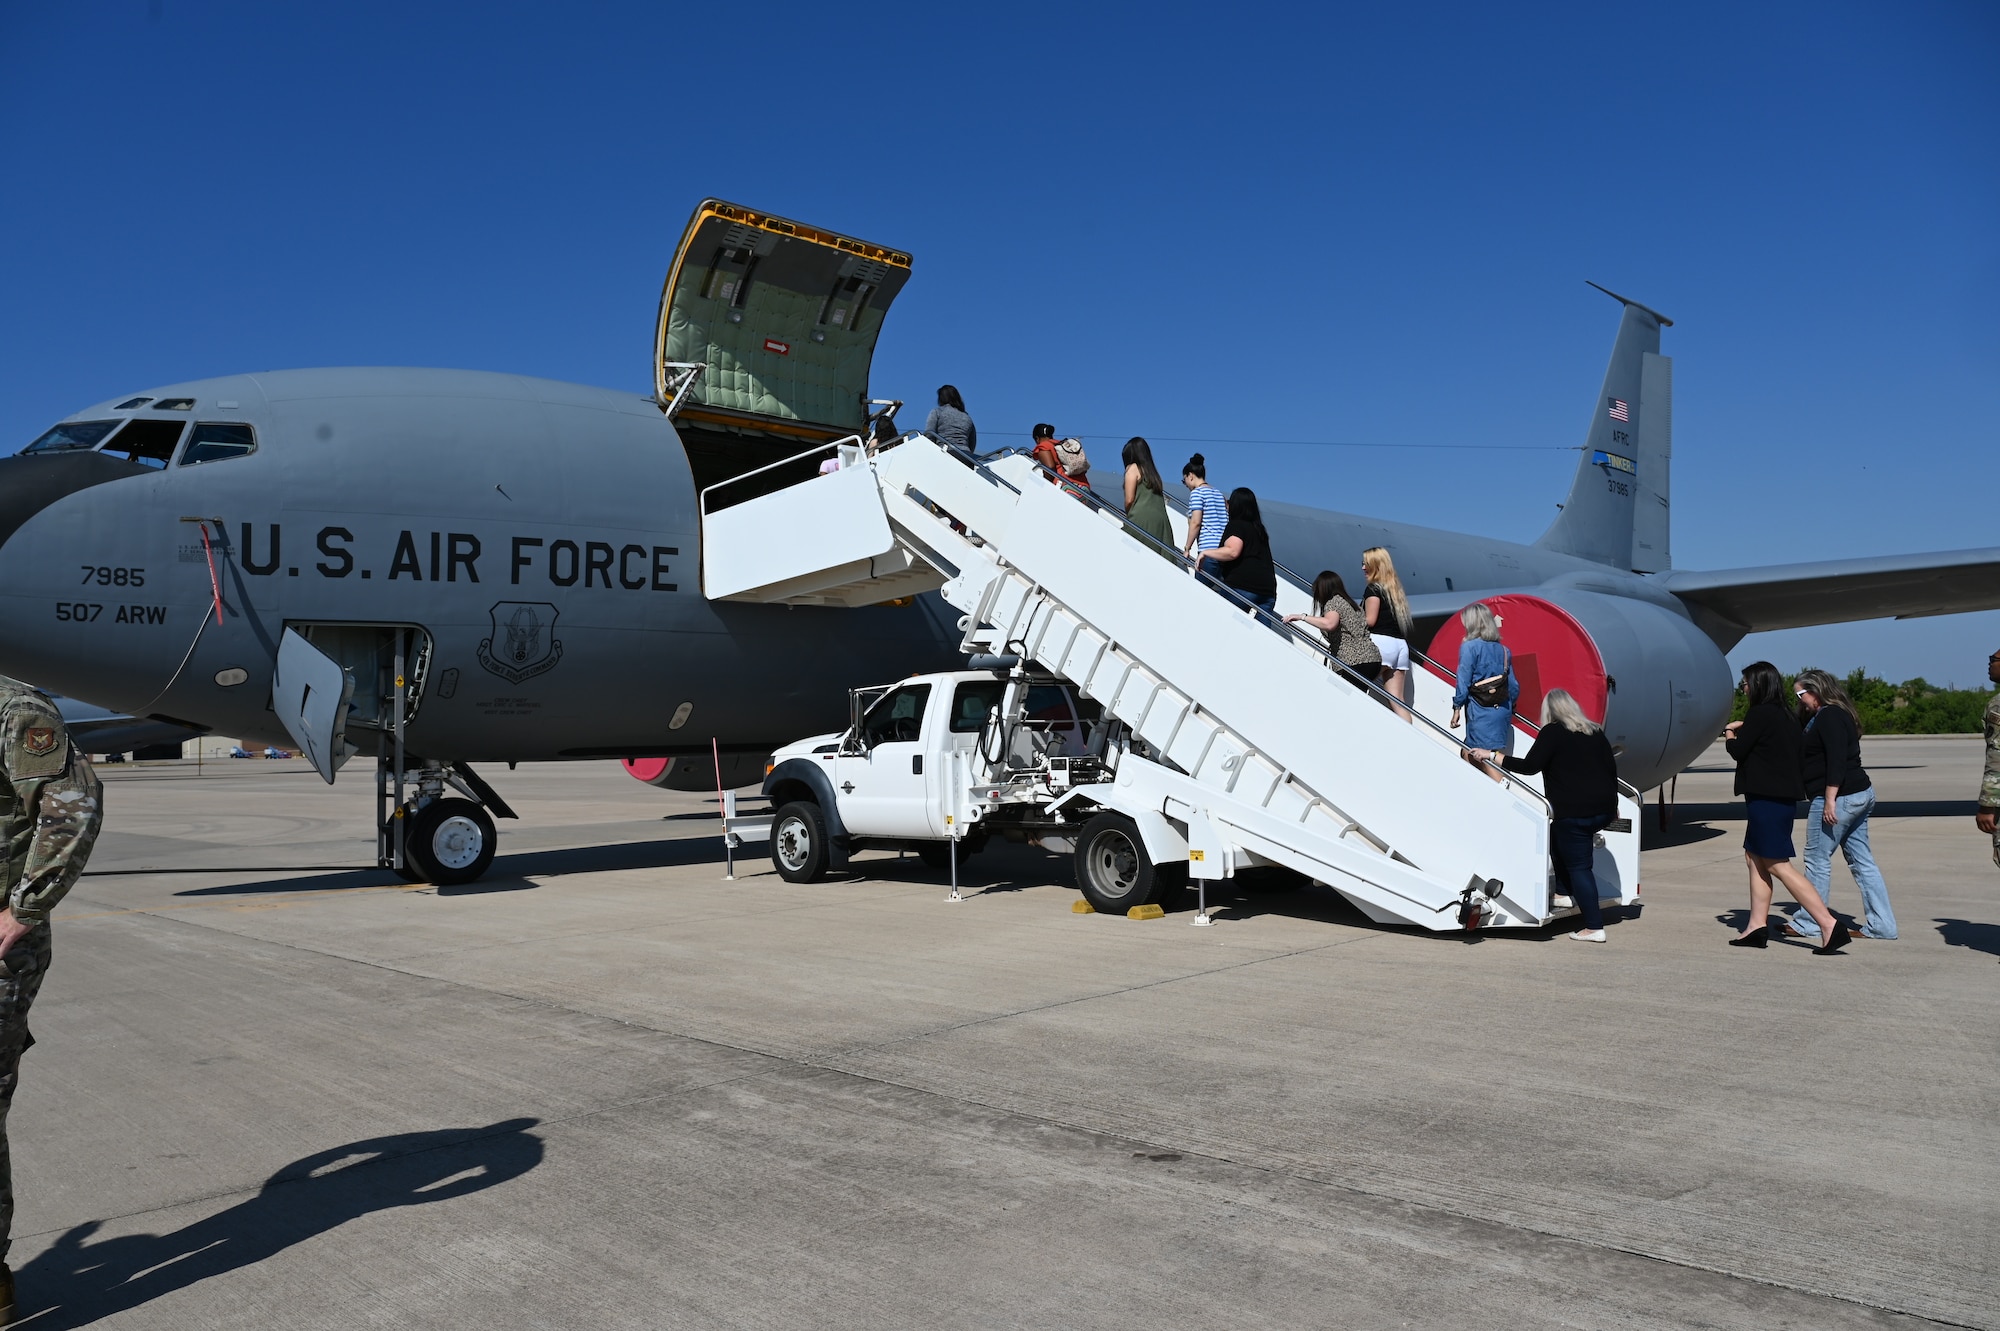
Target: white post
{"type": "Point", "coordinates": [728, 838]}
{"type": "Point", "coordinates": [1207, 859]}
{"type": "Point", "coordinates": [953, 774]}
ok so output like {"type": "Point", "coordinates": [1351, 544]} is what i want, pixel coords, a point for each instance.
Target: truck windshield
{"type": "Point", "coordinates": [899, 716]}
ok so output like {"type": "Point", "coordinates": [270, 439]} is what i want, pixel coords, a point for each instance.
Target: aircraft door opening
{"type": "Point", "coordinates": [366, 655]}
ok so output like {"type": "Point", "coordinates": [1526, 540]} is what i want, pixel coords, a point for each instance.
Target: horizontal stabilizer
{"type": "Point", "coordinates": [1729, 603]}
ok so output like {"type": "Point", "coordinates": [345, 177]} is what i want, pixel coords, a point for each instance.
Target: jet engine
{"type": "Point", "coordinates": [1659, 684]}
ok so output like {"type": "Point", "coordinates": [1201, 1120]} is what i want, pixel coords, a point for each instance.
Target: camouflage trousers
{"type": "Point", "coordinates": [21, 974]}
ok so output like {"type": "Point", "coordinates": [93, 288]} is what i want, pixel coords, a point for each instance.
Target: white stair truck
{"type": "Point", "coordinates": [1118, 705]}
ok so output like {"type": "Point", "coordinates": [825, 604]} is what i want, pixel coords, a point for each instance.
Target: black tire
{"type": "Point", "coordinates": [1112, 870]}
{"type": "Point", "coordinates": [798, 842]}
{"type": "Point", "coordinates": [450, 842]}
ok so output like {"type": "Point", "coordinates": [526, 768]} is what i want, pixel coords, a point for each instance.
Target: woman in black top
{"type": "Point", "coordinates": [1766, 746]}
{"type": "Point", "coordinates": [1243, 560]}
{"type": "Point", "coordinates": [1842, 798]}
{"type": "Point", "coordinates": [1580, 777]}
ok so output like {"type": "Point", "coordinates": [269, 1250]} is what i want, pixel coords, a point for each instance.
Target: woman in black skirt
{"type": "Point", "coordinates": [1766, 745]}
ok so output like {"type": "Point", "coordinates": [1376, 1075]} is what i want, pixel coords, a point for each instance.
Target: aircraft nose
{"type": "Point", "coordinates": [31, 482]}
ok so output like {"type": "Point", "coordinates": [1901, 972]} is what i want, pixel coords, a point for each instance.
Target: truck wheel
{"type": "Point", "coordinates": [449, 842]}
{"type": "Point", "coordinates": [1112, 870]}
{"type": "Point", "coordinates": [798, 842]}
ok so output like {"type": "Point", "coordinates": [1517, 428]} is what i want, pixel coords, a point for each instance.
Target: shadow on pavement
{"type": "Point", "coordinates": [509, 872]}
{"type": "Point", "coordinates": [1680, 830]}
{"type": "Point", "coordinates": [77, 1282]}
{"type": "Point", "coordinates": [1975, 934]}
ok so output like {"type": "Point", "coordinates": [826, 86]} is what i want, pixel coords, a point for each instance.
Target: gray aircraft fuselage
{"type": "Point", "coordinates": [448, 501]}
{"type": "Point", "coordinates": [545, 537]}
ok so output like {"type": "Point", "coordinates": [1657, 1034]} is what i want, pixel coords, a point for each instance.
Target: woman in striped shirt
{"type": "Point", "coordinates": [1208, 511]}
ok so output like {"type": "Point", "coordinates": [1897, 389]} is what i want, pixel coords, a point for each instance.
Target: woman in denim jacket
{"type": "Point", "coordinates": [1481, 656]}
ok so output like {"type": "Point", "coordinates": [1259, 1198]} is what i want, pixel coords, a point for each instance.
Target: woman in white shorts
{"type": "Point", "coordinates": [1388, 611]}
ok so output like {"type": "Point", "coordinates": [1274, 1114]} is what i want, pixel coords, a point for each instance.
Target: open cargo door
{"type": "Point", "coordinates": [783, 318]}
{"type": "Point", "coordinates": [310, 694]}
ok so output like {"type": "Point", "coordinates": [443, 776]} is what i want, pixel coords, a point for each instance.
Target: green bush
{"type": "Point", "coordinates": [1914, 707]}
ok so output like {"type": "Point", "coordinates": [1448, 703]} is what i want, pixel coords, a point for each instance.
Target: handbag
{"type": "Point", "coordinates": [1492, 691]}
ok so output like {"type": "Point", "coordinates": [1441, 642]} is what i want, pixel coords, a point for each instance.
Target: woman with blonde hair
{"type": "Point", "coordinates": [1580, 777]}
{"type": "Point", "coordinates": [1388, 611]}
{"type": "Point", "coordinates": [1842, 798]}
{"type": "Point", "coordinates": [1486, 683]}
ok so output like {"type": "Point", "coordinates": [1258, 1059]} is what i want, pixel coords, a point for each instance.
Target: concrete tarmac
{"type": "Point", "coordinates": [605, 1088]}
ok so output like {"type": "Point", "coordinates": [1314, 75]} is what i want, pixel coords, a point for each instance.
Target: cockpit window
{"type": "Point", "coordinates": [213, 441]}
{"type": "Point", "coordinates": [145, 440]}
{"type": "Point", "coordinates": [132, 404]}
{"type": "Point", "coordinates": [72, 436]}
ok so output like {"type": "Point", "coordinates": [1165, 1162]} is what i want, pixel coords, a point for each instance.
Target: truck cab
{"type": "Point", "coordinates": [892, 778]}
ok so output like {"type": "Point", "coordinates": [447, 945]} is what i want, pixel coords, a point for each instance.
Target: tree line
{"type": "Point", "coordinates": [1913, 707]}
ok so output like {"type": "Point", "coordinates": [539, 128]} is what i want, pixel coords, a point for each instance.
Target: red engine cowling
{"type": "Point", "coordinates": [1551, 650]}
{"type": "Point", "coordinates": [1661, 687]}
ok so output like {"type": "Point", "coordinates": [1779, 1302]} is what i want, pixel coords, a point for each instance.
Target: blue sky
{"type": "Point", "coordinates": [1355, 225]}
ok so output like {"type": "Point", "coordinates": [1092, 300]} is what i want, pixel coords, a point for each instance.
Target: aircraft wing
{"type": "Point", "coordinates": [1834, 591]}
{"type": "Point", "coordinates": [98, 730]}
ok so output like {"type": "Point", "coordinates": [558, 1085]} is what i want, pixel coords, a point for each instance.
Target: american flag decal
{"type": "Point", "coordinates": [1619, 411]}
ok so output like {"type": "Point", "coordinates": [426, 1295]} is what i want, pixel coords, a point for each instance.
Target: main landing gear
{"type": "Point", "coordinates": [434, 837]}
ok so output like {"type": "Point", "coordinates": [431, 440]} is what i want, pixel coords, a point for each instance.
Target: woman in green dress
{"type": "Point", "coordinates": [1145, 496]}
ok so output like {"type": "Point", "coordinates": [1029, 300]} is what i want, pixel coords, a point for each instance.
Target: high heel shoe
{"type": "Point", "coordinates": [1761, 938]}
{"type": "Point", "coordinates": [1840, 938]}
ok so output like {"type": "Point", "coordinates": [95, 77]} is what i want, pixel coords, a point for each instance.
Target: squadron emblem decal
{"type": "Point", "coordinates": [40, 740]}
{"type": "Point", "coordinates": [524, 643]}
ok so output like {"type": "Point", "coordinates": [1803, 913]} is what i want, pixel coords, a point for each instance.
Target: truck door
{"type": "Point", "coordinates": [971, 701]}
{"type": "Point", "coordinates": [883, 790]}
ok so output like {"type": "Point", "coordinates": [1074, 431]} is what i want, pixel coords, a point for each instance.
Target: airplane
{"type": "Point", "coordinates": [448, 567]}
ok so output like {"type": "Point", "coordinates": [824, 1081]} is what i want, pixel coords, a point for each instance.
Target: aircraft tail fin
{"type": "Point", "coordinates": [1617, 511]}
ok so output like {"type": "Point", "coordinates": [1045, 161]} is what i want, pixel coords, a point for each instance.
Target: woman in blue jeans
{"type": "Point", "coordinates": [1842, 798]}
{"type": "Point", "coordinates": [1580, 776]}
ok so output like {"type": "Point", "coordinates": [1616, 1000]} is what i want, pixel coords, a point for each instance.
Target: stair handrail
{"type": "Point", "coordinates": [1270, 619]}
{"type": "Point", "coordinates": [1624, 786]}
{"type": "Point", "coordinates": [852, 439]}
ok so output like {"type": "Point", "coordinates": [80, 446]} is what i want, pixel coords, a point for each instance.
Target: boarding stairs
{"type": "Point", "coordinates": [1255, 749]}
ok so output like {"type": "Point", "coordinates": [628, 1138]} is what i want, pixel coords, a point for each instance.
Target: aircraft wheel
{"type": "Point", "coordinates": [450, 841]}
{"type": "Point", "coordinates": [1112, 870]}
{"type": "Point", "coordinates": [798, 842]}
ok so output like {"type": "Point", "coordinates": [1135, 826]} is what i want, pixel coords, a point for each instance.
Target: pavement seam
{"type": "Point", "coordinates": [823, 1063]}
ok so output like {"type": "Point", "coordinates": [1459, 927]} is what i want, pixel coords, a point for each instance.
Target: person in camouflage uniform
{"type": "Point", "coordinates": [51, 806]}
{"type": "Point", "coordinates": [1989, 785]}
